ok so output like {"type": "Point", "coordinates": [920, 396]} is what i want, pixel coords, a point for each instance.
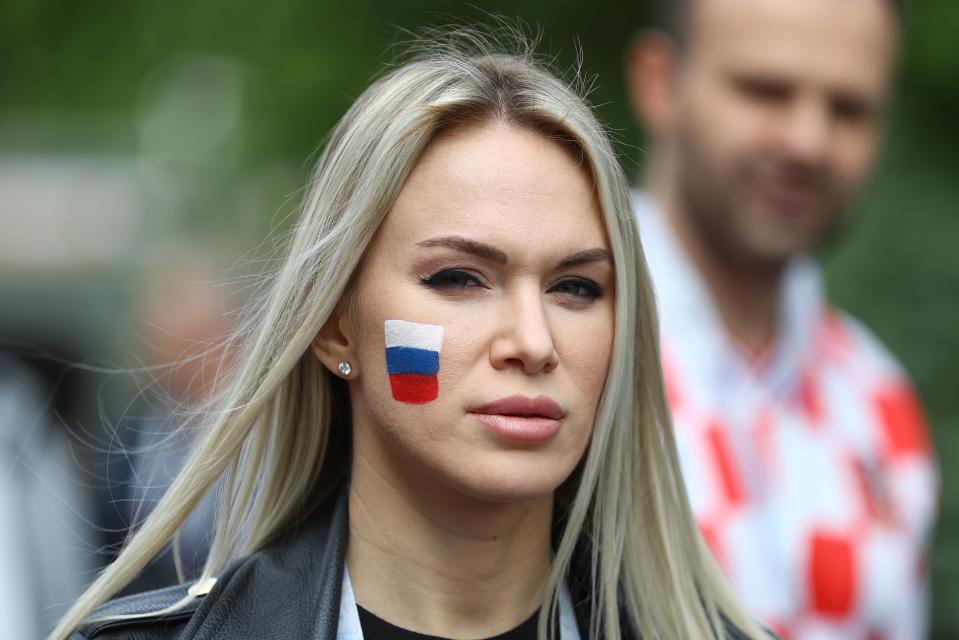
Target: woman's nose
{"type": "Point", "coordinates": [524, 339]}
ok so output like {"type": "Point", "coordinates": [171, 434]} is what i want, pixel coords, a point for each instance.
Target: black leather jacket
{"type": "Point", "coordinates": [288, 590]}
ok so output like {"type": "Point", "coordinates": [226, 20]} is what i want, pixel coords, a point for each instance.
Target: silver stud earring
{"type": "Point", "coordinates": [345, 368]}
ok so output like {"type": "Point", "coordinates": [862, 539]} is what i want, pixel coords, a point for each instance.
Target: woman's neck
{"type": "Point", "coordinates": [430, 559]}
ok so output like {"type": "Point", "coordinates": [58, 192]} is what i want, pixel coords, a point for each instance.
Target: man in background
{"type": "Point", "coordinates": [804, 448]}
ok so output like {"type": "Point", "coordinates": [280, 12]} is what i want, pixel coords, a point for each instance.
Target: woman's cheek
{"type": "Point", "coordinates": [588, 363]}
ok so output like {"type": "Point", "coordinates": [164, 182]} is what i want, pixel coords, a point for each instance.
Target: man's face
{"type": "Point", "coordinates": [777, 109]}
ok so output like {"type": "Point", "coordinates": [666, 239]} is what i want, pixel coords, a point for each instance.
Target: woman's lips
{"type": "Point", "coordinates": [522, 418]}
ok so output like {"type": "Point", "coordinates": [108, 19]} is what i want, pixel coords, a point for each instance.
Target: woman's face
{"type": "Point", "coordinates": [495, 257]}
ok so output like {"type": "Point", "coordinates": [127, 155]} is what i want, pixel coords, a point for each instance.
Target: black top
{"type": "Point", "coordinates": [376, 628]}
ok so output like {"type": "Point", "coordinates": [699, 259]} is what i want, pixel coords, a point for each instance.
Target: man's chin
{"type": "Point", "coordinates": [772, 252]}
{"type": "Point", "coordinates": [775, 236]}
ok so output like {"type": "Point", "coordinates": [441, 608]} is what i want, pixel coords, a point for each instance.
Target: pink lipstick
{"type": "Point", "coordinates": [522, 418]}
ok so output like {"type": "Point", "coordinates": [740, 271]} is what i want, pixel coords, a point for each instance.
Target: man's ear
{"type": "Point", "coordinates": [336, 343]}
{"type": "Point", "coordinates": [651, 67]}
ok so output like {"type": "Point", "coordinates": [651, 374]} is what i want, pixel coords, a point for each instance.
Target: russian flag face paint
{"type": "Point", "coordinates": [413, 360]}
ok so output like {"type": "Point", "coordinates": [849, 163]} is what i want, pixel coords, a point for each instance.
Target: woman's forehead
{"type": "Point", "coordinates": [501, 182]}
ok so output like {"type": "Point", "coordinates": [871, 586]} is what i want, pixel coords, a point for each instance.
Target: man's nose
{"type": "Point", "coordinates": [806, 130]}
{"type": "Point", "coordinates": [524, 338]}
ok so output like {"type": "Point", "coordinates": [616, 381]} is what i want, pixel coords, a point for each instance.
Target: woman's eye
{"type": "Point", "coordinates": [579, 288]}
{"type": "Point", "coordinates": [452, 279]}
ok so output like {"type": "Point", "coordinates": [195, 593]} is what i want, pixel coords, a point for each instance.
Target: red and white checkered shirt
{"type": "Point", "coordinates": [809, 467]}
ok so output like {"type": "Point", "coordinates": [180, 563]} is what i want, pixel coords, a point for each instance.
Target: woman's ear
{"type": "Point", "coordinates": [335, 344]}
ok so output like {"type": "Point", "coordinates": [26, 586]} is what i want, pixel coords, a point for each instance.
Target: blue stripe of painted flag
{"type": "Point", "coordinates": [412, 360]}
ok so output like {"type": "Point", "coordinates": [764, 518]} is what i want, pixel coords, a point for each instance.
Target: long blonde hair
{"type": "Point", "coordinates": [267, 443]}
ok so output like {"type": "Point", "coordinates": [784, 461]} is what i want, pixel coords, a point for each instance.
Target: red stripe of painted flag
{"type": "Point", "coordinates": [413, 388]}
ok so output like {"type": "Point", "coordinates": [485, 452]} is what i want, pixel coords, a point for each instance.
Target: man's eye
{"type": "Point", "coordinates": [851, 109]}
{"type": "Point", "coordinates": [452, 279]}
{"type": "Point", "coordinates": [579, 288]}
{"type": "Point", "coordinates": [763, 90]}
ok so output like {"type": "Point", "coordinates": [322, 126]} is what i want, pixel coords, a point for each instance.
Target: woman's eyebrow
{"type": "Point", "coordinates": [459, 243]}
{"type": "Point", "coordinates": [585, 257]}
{"type": "Point", "coordinates": [486, 252]}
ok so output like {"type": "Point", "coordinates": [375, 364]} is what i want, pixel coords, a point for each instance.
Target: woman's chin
{"type": "Point", "coordinates": [515, 476]}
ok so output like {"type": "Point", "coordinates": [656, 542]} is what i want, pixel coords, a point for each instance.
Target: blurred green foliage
{"type": "Point", "coordinates": [302, 62]}
{"type": "Point", "coordinates": [305, 59]}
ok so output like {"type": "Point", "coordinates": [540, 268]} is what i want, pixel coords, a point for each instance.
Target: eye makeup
{"type": "Point", "coordinates": [581, 288]}
{"type": "Point", "coordinates": [413, 360]}
{"type": "Point", "coordinates": [449, 275]}
{"type": "Point", "coordinates": [574, 289]}
{"type": "Point", "coordinates": [451, 279]}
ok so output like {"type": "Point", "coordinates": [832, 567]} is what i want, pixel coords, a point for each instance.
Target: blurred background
{"type": "Point", "coordinates": [149, 149]}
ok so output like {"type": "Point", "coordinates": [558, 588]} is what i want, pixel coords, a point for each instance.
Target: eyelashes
{"type": "Point", "coordinates": [580, 288]}
{"type": "Point", "coordinates": [451, 280]}
{"type": "Point", "coordinates": [459, 281]}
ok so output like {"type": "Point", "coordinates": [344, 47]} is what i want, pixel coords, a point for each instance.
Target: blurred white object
{"type": "Point", "coordinates": [47, 555]}
{"type": "Point", "coordinates": [62, 211]}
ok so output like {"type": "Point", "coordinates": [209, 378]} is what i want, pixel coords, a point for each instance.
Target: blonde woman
{"type": "Point", "coordinates": [448, 419]}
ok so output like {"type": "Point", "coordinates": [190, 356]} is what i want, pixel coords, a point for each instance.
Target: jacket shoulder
{"type": "Point", "coordinates": [290, 588]}
{"type": "Point", "coordinates": [141, 616]}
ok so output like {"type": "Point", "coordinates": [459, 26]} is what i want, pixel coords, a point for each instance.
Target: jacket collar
{"type": "Point", "coordinates": [292, 589]}
{"type": "Point", "coordinates": [293, 585]}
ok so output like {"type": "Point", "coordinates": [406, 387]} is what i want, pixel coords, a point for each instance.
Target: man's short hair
{"type": "Point", "coordinates": [672, 17]}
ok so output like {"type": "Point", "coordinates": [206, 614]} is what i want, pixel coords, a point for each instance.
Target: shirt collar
{"type": "Point", "coordinates": [686, 308]}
